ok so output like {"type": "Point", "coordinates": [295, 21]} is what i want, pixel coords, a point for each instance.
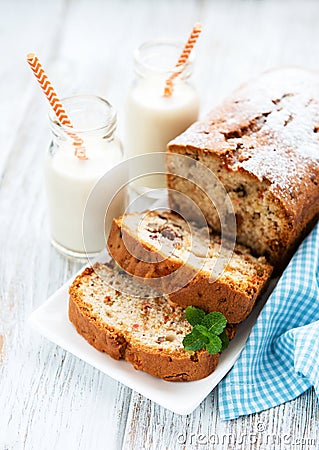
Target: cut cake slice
{"type": "Point", "coordinates": [130, 321]}
{"type": "Point", "coordinates": [163, 250]}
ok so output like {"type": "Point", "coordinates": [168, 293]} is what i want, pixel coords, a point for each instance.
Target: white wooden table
{"type": "Point", "coordinates": [48, 398]}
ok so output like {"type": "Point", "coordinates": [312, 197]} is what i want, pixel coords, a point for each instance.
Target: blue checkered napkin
{"type": "Point", "coordinates": [281, 357]}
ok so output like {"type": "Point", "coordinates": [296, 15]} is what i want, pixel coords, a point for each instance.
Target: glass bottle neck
{"type": "Point", "coordinates": [158, 58]}
{"type": "Point", "coordinates": [93, 119]}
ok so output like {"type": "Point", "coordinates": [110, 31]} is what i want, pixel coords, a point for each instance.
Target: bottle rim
{"type": "Point", "coordinates": [109, 125]}
{"type": "Point", "coordinates": [143, 67]}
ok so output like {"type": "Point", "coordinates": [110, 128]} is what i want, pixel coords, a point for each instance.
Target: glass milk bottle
{"type": "Point", "coordinates": [70, 180]}
{"type": "Point", "coordinates": [153, 119]}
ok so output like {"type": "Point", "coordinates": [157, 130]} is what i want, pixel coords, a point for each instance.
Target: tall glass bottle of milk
{"type": "Point", "coordinates": [153, 119]}
{"type": "Point", "coordinates": [70, 180]}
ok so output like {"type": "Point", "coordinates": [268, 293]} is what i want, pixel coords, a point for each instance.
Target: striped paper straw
{"type": "Point", "coordinates": [182, 60]}
{"type": "Point", "coordinates": [55, 102]}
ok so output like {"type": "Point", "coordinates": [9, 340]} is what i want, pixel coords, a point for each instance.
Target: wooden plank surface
{"type": "Point", "coordinates": [49, 399]}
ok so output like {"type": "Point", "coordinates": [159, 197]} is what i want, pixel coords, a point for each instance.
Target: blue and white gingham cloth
{"type": "Point", "coordinates": [281, 357]}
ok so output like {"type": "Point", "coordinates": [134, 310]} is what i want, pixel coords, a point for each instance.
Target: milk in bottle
{"type": "Point", "coordinates": [153, 119]}
{"type": "Point", "coordinates": [70, 180]}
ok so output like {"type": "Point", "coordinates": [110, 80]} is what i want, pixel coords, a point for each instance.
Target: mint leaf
{"type": "Point", "coordinates": [215, 322]}
{"type": "Point", "coordinates": [225, 341]}
{"type": "Point", "coordinates": [208, 331]}
{"type": "Point", "coordinates": [214, 345]}
{"type": "Point", "coordinates": [194, 315]}
{"type": "Point", "coordinates": [203, 330]}
{"type": "Point", "coordinates": [195, 340]}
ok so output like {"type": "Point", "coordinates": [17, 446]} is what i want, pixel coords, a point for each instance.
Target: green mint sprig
{"type": "Point", "coordinates": [208, 331]}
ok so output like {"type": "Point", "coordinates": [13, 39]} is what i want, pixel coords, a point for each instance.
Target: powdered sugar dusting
{"type": "Point", "coordinates": [268, 128]}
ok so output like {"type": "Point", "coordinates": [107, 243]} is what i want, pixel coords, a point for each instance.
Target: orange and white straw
{"type": "Point", "coordinates": [182, 60]}
{"type": "Point", "coordinates": [55, 102]}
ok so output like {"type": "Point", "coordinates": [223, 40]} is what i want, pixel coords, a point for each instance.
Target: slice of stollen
{"type": "Point", "coordinates": [161, 249]}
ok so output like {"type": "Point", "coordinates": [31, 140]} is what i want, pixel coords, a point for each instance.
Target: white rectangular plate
{"type": "Point", "coordinates": [51, 320]}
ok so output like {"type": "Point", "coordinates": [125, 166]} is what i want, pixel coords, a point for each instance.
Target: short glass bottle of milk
{"type": "Point", "coordinates": [76, 230]}
{"type": "Point", "coordinates": [152, 119]}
